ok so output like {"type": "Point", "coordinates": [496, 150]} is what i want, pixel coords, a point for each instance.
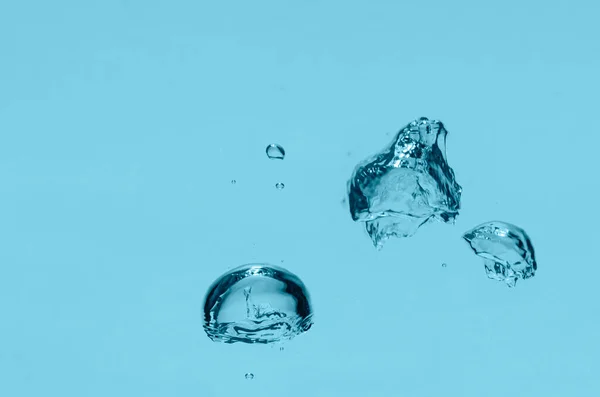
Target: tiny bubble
{"type": "Point", "coordinates": [249, 375]}
{"type": "Point", "coordinates": [279, 185]}
{"type": "Point", "coordinates": [233, 181]}
{"type": "Point", "coordinates": [281, 348]}
{"type": "Point", "coordinates": [444, 264]}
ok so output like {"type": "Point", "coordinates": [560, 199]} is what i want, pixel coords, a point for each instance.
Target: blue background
{"type": "Point", "coordinates": [122, 124]}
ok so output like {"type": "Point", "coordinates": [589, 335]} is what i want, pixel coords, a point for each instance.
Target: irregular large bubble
{"type": "Point", "coordinates": [506, 249]}
{"type": "Point", "coordinates": [406, 185]}
{"type": "Point", "coordinates": [257, 303]}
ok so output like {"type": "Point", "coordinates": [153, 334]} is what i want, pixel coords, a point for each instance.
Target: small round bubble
{"type": "Point", "coordinates": [279, 185]}
{"type": "Point", "coordinates": [233, 181]}
{"type": "Point", "coordinates": [249, 376]}
{"type": "Point", "coordinates": [275, 152]}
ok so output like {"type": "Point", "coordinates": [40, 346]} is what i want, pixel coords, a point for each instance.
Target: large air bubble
{"type": "Point", "coordinates": [257, 303]}
{"type": "Point", "coordinates": [409, 183]}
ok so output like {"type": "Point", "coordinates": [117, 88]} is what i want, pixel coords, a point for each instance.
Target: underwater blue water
{"type": "Point", "coordinates": [124, 124]}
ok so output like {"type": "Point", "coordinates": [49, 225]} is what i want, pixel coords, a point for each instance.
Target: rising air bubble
{"type": "Point", "coordinates": [506, 249]}
{"type": "Point", "coordinates": [257, 303]}
{"type": "Point", "coordinates": [406, 185]}
{"type": "Point", "coordinates": [275, 152]}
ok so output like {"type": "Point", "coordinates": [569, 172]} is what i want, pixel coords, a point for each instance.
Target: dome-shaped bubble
{"type": "Point", "coordinates": [257, 303]}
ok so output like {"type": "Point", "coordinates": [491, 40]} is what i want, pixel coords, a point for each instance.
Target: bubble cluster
{"type": "Point", "coordinates": [393, 193]}
{"type": "Point", "coordinates": [409, 183]}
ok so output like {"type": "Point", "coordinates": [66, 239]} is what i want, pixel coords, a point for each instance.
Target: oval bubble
{"type": "Point", "coordinates": [275, 152]}
{"type": "Point", "coordinates": [257, 303]}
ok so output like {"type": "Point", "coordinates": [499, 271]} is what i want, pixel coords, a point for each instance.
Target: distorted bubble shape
{"type": "Point", "coordinates": [257, 303]}
{"type": "Point", "coordinates": [406, 185]}
{"type": "Point", "coordinates": [275, 152]}
{"type": "Point", "coordinates": [506, 249]}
